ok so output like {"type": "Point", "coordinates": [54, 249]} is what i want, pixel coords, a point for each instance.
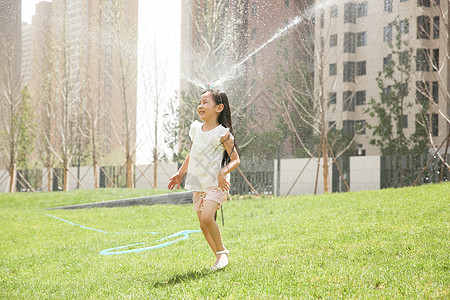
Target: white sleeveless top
{"type": "Point", "coordinates": [205, 157]}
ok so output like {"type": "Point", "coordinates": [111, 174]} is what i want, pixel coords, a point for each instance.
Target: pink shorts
{"type": "Point", "coordinates": [213, 194]}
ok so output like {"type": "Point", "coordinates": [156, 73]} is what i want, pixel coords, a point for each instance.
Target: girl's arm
{"type": "Point", "coordinates": [233, 164]}
{"type": "Point", "coordinates": [176, 179]}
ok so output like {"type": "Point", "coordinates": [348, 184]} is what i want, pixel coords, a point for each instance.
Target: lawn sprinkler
{"type": "Point", "coordinates": [209, 87]}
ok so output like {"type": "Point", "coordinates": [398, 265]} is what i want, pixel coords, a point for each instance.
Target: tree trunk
{"type": "Point", "coordinates": [49, 179]}
{"type": "Point", "coordinates": [12, 178]}
{"type": "Point", "coordinates": [65, 175]}
{"type": "Point", "coordinates": [129, 174]}
{"type": "Point", "coordinates": [325, 164]}
{"type": "Point", "coordinates": [95, 166]}
{"type": "Point", "coordinates": [155, 173]}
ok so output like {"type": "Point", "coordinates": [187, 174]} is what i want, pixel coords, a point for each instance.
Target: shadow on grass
{"type": "Point", "coordinates": [192, 275]}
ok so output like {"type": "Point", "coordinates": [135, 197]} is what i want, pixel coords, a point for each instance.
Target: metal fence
{"type": "Point", "coordinates": [395, 171]}
{"type": "Point", "coordinates": [258, 172]}
{"type": "Point", "coordinates": [113, 176]}
{"type": "Point", "coordinates": [403, 170]}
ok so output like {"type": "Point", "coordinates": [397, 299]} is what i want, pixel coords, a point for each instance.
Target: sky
{"type": "Point", "coordinates": [28, 9]}
{"type": "Point", "coordinates": [159, 29]}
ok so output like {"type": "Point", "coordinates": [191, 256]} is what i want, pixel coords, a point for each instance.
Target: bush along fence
{"type": "Point", "coordinates": [261, 177]}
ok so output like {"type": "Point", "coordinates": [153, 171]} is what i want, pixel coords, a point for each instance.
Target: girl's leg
{"type": "Point", "coordinates": [207, 219]}
{"type": "Point", "coordinates": [206, 233]}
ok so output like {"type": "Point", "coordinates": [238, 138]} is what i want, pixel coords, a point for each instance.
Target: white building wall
{"type": "Point", "coordinates": [4, 178]}
{"type": "Point", "coordinates": [164, 171]}
{"type": "Point", "coordinates": [365, 173]}
{"type": "Point", "coordinates": [291, 168]}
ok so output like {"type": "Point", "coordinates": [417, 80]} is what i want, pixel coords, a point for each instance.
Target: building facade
{"type": "Point", "coordinates": [355, 39]}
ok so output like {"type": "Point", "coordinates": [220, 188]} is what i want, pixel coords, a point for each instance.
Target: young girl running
{"type": "Point", "coordinates": [212, 157]}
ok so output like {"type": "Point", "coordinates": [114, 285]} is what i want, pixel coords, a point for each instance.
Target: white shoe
{"type": "Point", "coordinates": [220, 264]}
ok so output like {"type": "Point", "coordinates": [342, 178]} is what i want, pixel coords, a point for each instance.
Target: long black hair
{"type": "Point", "coordinates": [224, 119]}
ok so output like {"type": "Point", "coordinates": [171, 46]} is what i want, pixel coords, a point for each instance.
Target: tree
{"type": "Point", "coordinates": [16, 136]}
{"type": "Point", "coordinates": [390, 111]}
{"type": "Point", "coordinates": [27, 129]}
{"type": "Point", "coordinates": [124, 43]}
{"type": "Point", "coordinates": [300, 93]}
{"type": "Point", "coordinates": [64, 100]}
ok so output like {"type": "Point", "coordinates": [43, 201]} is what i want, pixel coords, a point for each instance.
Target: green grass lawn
{"type": "Point", "coordinates": [392, 243]}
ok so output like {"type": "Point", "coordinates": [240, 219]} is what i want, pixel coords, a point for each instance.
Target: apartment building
{"type": "Point", "coordinates": [354, 47]}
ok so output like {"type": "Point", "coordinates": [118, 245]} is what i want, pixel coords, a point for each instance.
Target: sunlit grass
{"type": "Point", "coordinates": [380, 244]}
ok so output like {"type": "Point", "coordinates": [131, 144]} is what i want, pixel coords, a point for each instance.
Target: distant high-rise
{"type": "Point", "coordinates": [26, 54]}
{"type": "Point", "coordinates": [72, 53]}
{"type": "Point", "coordinates": [10, 40]}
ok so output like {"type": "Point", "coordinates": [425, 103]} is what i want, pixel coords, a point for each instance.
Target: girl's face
{"type": "Point", "coordinates": [207, 108]}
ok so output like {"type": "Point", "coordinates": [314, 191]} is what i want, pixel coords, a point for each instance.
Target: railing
{"type": "Point", "coordinates": [403, 170]}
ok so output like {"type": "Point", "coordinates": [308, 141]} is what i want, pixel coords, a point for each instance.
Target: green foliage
{"type": "Point", "coordinates": [387, 244]}
{"type": "Point", "coordinates": [26, 128]}
{"type": "Point", "coordinates": [263, 145]}
{"type": "Point", "coordinates": [390, 109]}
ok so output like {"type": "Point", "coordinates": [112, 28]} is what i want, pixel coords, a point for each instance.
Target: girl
{"type": "Point", "coordinates": [212, 157]}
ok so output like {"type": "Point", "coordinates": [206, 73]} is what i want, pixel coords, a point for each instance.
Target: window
{"type": "Point", "coordinates": [334, 11]}
{"type": "Point", "coordinates": [286, 2]}
{"type": "Point", "coordinates": [333, 69]}
{"type": "Point", "coordinates": [388, 5]}
{"type": "Point", "coordinates": [322, 42]}
{"type": "Point", "coordinates": [404, 26]}
{"type": "Point", "coordinates": [360, 127]}
{"type": "Point", "coordinates": [435, 91]}
{"type": "Point", "coordinates": [333, 40]}
{"type": "Point", "coordinates": [403, 90]}
{"type": "Point", "coordinates": [422, 57]}
{"type": "Point", "coordinates": [362, 9]}
{"type": "Point", "coordinates": [253, 33]}
{"type": "Point", "coordinates": [403, 58]}
{"type": "Point", "coordinates": [332, 125]}
{"type": "Point", "coordinates": [360, 97]}
{"type": "Point", "coordinates": [423, 27]}
{"type": "Point", "coordinates": [348, 126]}
{"type": "Point", "coordinates": [437, 2]}
{"type": "Point", "coordinates": [361, 39]}
{"type": "Point", "coordinates": [361, 68]}
{"type": "Point", "coordinates": [387, 35]}
{"type": "Point", "coordinates": [403, 0]}
{"type": "Point", "coordinates": [436, 27]}
{"type": "Point", "coordinates": [349, 71]}
{"type": "Point", "coordinates": [349, 42]}
{"type": "Point", "coordinates": [255, 8]}
{"type": "Point", "coordinates": [385, 97]}
{"type": "Point", "coordinates": [387, 61]}
{"type": "Point", "coordinates": [349, 101]}
{"type": "Point", "coordinates": [422, 92]}
{"type": "Point", "coordinates": [434, 125]}
{"type": "Point", "coordinates": [253, 59]}
{"type": "Point", "coordinates": [404, 121]}
{"type": "Point", "coordinates": [350, 13]}
{"type": "Point", "coordinates": [332, 98]}
{"type": "Point", "coordinates": [435, 62]}
{"type": "Point", "coordinates": [425, 3]}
